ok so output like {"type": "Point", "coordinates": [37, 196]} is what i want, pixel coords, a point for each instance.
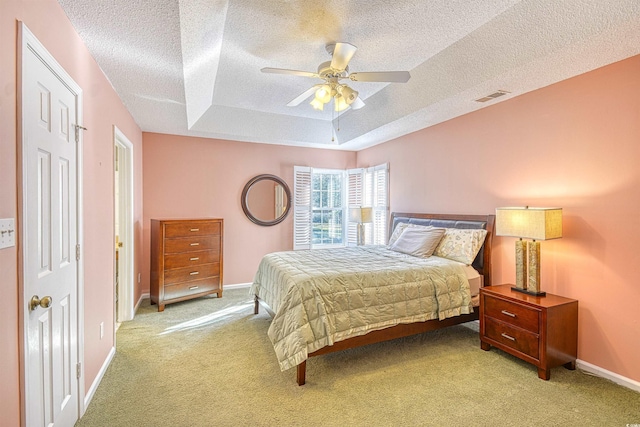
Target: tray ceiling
{"type": "Point", "coordinates": [190, 67]}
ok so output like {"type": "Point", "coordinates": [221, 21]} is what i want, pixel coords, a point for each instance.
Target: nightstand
{"type": "Point", "coordinates": [539, 330]}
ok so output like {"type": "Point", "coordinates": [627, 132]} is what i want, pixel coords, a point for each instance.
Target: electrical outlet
{"type": "Point", "coordinates": [101, 330]}
{"type": "Point", "coordinates": [7, 233]}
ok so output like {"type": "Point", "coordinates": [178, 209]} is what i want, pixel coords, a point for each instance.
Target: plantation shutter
{"type": "Point", "coordinates": [355, 178]}
{"type": "Point", "coordinates": [380, 196]}
{"type": "Point", "coordinates": [301, 207]}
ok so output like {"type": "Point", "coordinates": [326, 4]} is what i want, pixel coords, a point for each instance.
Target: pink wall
{"type": "Point", "coordinates": [187, 177]}
{"type": "Point", "coordinates": [102, 110]}
{"type": "Point", "coordinates": [576, 145]}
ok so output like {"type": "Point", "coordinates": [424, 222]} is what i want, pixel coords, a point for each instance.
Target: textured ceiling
{"type": "Point", "coordinates": [192, 67]}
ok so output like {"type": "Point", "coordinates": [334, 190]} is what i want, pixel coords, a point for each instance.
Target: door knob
{"type": "Point", "coordinates": [45, 302]}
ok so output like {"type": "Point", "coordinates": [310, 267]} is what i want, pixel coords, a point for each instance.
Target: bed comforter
{"type": "Point", "coordinates": [323, 296]}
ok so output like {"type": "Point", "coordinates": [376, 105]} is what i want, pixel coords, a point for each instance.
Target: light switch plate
{"type": "Point", "coordinates": [7, 233]}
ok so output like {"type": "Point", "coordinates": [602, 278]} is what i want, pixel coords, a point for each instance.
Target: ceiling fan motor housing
{"type": "Point", "coordinates": [326, 72]}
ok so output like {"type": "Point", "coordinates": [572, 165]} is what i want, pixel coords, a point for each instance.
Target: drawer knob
{"type": "Point", "coordinates": [193, 287]}
{"type": "Point", "coordinates": [194, 273]}
{"type": "Point", "coordinates": [195, 229]}
{"type": "Point", "coordinates": [195, 244]}
{"type": "Point", "coordinates": [509, 337]}
{"type": "Point", "coordinates": [194, 259]}
{"type": "Point", "coordinates": [506, 313]}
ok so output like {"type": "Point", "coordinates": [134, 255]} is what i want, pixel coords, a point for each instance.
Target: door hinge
{"type": "Point", "coordinates": [78, 128]}
{"type": "Point", "coordinates": [78, 252]}
{"type": "Point", "coordinates": [78, 370]}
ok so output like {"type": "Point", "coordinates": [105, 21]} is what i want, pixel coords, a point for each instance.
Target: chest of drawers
{"type": "Point", "coordinates": [540, 330]}
{"type": "Point", "coordinates": [186, 259]}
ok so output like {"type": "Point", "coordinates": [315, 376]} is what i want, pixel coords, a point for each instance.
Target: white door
{"type": "Point", "coordinates": [124, 226]}
{"type": "Point", "coordinates": [49, 238]}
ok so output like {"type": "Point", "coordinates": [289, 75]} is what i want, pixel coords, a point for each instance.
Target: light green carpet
{"type": "Point", "coordinates": [208, 362]}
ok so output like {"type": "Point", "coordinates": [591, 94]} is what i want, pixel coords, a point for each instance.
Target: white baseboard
{"type": "Point", "coordinates": [142, 297]}
{"type": "Point", "coordinates": [96, 382]}
{"type": "Point", "coordinates": [238, 286]}
{"type": "Point", "coordinates": [612, 376]}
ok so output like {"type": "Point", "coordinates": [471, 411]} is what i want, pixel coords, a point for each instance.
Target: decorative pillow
{"type": "Point", "coordinates": [401, 227]}
{"type": "Point", "coordinates": [418, 241]}
{"type": "Point", "coordinates": [461, 244]}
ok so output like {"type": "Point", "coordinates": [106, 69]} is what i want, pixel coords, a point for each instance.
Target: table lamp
{"type": "Point", "coordinates": [361, 216]}
{"type": "Point", "coordinates": [529, 223]}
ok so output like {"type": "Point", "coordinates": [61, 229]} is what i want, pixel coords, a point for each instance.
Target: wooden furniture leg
{"type": "Point", "coordinates": [256, 305]}
{"type": "Point", "coordinates": [301, 373]}
{"type": "Point", "coordinates": [544, 374]}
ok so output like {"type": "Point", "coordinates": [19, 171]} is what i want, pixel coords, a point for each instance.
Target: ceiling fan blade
{"type": "Point", "coordinates": [357, 104]}
{"type": "Point", "coordinates": [304, 95]}
{"type": "Point", "coordinates": [291, 72]}
{"type": "Point", "coordinates": [342, 54]}
{"type": "Point", "coordinates": [381, 76]}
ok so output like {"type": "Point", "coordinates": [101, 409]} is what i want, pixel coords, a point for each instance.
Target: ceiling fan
{"type": "Point", "coordinates": [332, 72]}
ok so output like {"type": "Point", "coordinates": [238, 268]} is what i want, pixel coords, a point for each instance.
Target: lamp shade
{"type": "Point", "coordinates": [361, 215]}
{"type": "Point", "coordinates": [529, 223]}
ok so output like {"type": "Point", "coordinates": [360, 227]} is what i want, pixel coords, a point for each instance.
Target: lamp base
{"type": "Point", "coordinates": [528, 292]}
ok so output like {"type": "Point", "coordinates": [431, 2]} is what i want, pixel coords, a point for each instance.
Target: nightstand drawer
{"type": "Point", "coordinates": [510, 336]}
{"type": "Point", "coordinates": [514, 314]}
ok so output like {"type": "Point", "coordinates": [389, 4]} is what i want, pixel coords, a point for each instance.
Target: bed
{"type": "Point", "coordinates": [329, 300]}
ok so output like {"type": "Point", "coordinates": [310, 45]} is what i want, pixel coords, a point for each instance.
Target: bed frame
{"type": "Point", "coordinates": [482, 263]}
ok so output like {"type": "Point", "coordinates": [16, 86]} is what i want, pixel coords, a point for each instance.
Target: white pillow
{"type": "Point", "coordinates": [401, 227]}
{"type": "Point", "coordinates": [461, 244]}
{"type": "Point", "coordinates": [418, 241]}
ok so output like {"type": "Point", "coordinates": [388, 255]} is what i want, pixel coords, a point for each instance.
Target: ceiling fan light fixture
{"type": "Point", "coordinates": [340, 103]}
{"type": "Point", "coordinates": [323, 94]}
{"type": "Point", "coordinates": [348, 94]}
{"type": "Point", "coordinates": [317, 104]}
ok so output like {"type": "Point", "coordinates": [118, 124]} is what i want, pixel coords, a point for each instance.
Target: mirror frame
{"type": "Point", "coordinates": [245, 194]}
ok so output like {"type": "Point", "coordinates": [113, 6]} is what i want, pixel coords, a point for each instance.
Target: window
{"type": "Point", "coordinates": [322, 198]}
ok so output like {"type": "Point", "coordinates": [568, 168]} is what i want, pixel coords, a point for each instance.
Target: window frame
{"type": "Point", "coordinates": [367, 187]}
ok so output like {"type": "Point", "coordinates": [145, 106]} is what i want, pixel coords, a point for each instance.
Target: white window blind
{"type": "Point", "coordinates": [301, 207]}
{"type": "Point", "coordinates": [380, 202]}
{"type": "Point", "coordinates": [369, 188]}
{"type": "Point", "coordinates": [355, 180]}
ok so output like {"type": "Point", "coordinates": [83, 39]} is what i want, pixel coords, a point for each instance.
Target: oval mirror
{"type": "Point", "coordinates": [266, 200]}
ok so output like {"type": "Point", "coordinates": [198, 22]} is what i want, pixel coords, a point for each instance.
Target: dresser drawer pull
{"type": "Point", "coordinates": [194, 273]}
{"type": "Point", "coordinates": [193, 287]}
{"type": "Point", "coordinates": [509, 337]}
{"type": "Point", "coordinates": [505, 312]}
{"type": "Point", "coordinates": [194, 259]}
{"type": "Point", "coordinates": [195, 244]}
{"type": "Point", "coordinates": [195, 229]}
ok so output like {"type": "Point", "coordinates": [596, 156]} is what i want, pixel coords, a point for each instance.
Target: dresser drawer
{"type": "Point", "coordinates": [172, 261]}
{"type": "Point", "coordinates": [192, 228]}
{"type": "Point", "coordinates": [189, 274]}
{"type": "Point", "coordinates": [193, 244]}
{"type": "Point", "coordinates": [514, 314]}
{"type": "Point", "coordinates": [510, 336]}
{"type": "Point", "coordinates": [180, 290]}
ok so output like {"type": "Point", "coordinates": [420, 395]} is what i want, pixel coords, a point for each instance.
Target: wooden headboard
{"type": "Point", "coordinates": [482, 263]}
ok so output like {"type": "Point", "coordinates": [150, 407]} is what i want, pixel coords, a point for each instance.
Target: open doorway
{"type": "Point", "coordinates": [123, 227]}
